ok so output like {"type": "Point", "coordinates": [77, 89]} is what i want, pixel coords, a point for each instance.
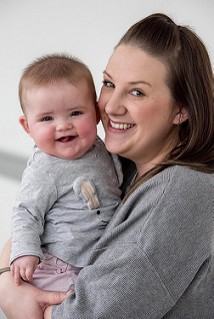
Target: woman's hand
{"type": "Point", "coordinates": [26, 301]}
{"type": "Point", "coordinates": [47, 313]}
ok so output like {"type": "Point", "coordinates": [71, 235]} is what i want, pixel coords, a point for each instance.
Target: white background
{"type": "Point", "coordinates": [88, 29]}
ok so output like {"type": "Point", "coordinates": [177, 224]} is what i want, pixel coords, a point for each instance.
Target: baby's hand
{"type": "Point", "coordinates": [23, 268]}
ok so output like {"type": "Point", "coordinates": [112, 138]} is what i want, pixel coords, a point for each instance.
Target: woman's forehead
{"type": "Point", "coordinates": [134, 63]}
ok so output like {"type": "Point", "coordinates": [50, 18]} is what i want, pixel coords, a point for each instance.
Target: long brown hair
{"type": "Point", "coordinates": [190, 80]}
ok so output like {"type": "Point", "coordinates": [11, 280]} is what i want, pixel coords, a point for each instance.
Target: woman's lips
{"type": "Point", "coordinates": [121, 126]}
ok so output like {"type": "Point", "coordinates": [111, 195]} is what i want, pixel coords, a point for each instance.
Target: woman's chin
{"type": "Point", "coordinates": [113, 147]}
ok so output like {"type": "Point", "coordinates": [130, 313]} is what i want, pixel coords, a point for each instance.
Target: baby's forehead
{"type": "Point", "coordinates": [32, 87]}
{"type": "Point", "coordinates": [69, 91]}
{"type": "Point", "coordinates": [58, 91]}
{"type": "Point", "coordinates": [37, 83]}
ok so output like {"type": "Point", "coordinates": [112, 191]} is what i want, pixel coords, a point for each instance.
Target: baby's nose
{"type": "Point", "coordinates": [63, 125]}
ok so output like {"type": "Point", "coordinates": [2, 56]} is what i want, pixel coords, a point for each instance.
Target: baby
{"type": "Point", "coordinates": [70, 187]}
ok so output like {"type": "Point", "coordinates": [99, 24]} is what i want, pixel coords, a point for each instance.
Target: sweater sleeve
{"type": "Point", "coordinates": [35, 197]}
{"type": "Point", "coordinates": [178, 232]}
{"type": "Point", "coordinates": [117, 286]}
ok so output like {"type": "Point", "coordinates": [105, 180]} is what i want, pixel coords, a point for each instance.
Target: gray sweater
{"type": "Point", "coordinates": [63, 206]}
{"type": "Point", "coordinates": [155, 259]}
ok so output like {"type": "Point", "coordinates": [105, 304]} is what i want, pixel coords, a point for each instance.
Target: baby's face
{"type": "Point", "coordinates": [61, 119]}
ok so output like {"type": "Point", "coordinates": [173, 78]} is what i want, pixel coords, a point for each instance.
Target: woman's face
{"type": "Point", "coordinates": [138, 112]}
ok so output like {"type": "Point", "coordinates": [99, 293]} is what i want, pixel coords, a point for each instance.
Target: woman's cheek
{"type": "Point", "coordinates": [103, 114]}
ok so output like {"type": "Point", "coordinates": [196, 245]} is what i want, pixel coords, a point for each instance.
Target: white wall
{"type": "Point", "coordinates": [88, 29]}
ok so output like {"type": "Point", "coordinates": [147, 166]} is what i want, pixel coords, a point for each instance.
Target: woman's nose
{"type": "Point", "coordinates": [115, 105]}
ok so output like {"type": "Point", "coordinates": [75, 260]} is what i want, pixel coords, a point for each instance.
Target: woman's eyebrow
{"type": "Point", "coordinates": [106, 73]}
{"type": "Point", "coordinates": [132, 82]}
{"type": "Point", "coordinates": [140, 82]}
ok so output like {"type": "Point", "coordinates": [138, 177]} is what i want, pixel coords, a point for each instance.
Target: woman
{"type": "Point", "coordinates": [155, 259]}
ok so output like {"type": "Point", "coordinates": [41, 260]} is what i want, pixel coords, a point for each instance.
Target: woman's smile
{"type": "Point", "coordinates": [120, 126]}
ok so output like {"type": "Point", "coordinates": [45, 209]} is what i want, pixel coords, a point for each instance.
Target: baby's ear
{"type": "Point", "coordinates": [24, 123]}
{"type": "Point", "coordinates": [97, 113]}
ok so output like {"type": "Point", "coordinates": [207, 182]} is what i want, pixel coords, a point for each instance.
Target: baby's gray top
{"type": "Point", "coordinates": [65, 205]}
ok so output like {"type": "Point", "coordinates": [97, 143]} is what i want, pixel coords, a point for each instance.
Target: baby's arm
{"type": "Point", "coordinates": [23, 268]}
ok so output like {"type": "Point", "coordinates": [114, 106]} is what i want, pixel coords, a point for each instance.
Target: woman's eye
{"type": "Point", "coordinates": [108, 84]}
{"type": "Point", "coordinates": [47, 119]}
{"type": "Point", "coordinates": [137, 93]}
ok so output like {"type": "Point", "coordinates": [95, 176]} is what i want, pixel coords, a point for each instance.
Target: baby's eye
{"type": "Point", "coordinates": [76, 113]}
{"type": "Point", "coordinates": [46, 119]}
{"type": "Point", "coordinates": [108, 84]}
{"type": "Point", "coordinates": [137, 93]}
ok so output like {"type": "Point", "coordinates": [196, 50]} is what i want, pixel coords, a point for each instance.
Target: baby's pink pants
{"type": "Point", "coordinates": [53, 274]}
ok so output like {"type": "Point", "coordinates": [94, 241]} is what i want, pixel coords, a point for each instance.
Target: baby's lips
{"type": "Point", "coordinates": [65, 139]}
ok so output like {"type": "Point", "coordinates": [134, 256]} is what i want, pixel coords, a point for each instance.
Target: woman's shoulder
{"type": "Point", "coordinates": [188, 176]}
{"type": "Point", "coordinates": [187, 190]}
{"type": "Point", "coordinates": [175, 184]}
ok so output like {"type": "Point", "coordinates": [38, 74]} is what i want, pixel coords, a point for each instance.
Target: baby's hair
{"type": "Point", "coordinates": [52, 68]}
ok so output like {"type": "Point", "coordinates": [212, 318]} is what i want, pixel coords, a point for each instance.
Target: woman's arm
{"type": "Point", "coordinates": [24, 301]}
{"type": "Point", "coordinates": [5, 255]}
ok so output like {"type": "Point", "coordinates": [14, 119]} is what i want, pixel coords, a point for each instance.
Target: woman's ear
{"type": "Point", "coordinates": [181, 116]}
{"type": "Point", "coordinates": [24, 123]}
{"type": "Point", "coordinates": [97, 113]}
